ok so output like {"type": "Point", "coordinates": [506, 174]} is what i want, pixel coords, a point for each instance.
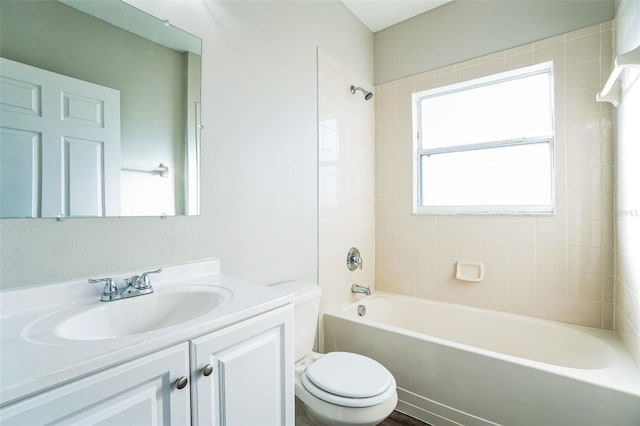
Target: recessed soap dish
{"type": "Point", "coordinates": [470, 271]}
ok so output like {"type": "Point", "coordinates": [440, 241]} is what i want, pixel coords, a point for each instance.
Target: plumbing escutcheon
{"type": "Point", "coordinates": [362, 310]}
{"type": "Point", "coordinates": [354, 261]}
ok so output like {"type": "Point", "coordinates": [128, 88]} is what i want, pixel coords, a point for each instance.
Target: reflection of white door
{"type": "Point", "coordinates": [59, 145]}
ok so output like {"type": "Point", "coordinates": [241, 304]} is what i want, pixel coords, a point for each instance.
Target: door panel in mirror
{"type": "Point", "coordinates": [154, 66]}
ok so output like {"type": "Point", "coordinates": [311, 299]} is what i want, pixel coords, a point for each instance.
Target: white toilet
{"type": "Point", "coordinates": [339, 388]}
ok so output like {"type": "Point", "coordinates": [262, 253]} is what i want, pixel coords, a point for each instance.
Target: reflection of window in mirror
{"type": "Point", "coordinates": [155, 68]}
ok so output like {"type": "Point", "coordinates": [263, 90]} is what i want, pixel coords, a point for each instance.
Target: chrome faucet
{"type": "Point", "coordinates": [355, 288]}
{"type": "Point", "coordinates": [137, 285]}
{"type": "Point", "coordinates": [110, 291]}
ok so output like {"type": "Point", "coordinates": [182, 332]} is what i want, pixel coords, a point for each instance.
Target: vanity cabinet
{"type": "Point", "coordinates": [243, 374]}
{"type": "Point", "coordinates": [239, 375]}
{"type": "Point", "coordinates": [138, 392]}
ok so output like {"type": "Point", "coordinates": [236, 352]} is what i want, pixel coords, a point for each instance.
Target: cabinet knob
{"type": "Point", "coordinates": [207, 370]}
{"type": "Point", "coordinates": [182, 382]}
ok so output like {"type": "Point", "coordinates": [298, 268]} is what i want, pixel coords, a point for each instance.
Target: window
{"type": "Point", "coordinates": [486, 145]}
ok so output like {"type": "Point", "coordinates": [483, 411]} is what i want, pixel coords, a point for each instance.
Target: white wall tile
{"type": "Point", "coordinates": [386, 135]}
{"type": "Point", "coordinates": [583, 49]}
{"type": "Point", "coordinates": [425, 83]}
{"type": "Point", "coordinates": [447, 227]}
{"type": "Point", "coordinates": [445, 79]}
{"type": "Point", "coordinates": [551, 230]}
{"type": "Point", "coordinates": [553, 52]}
{"type": "Point", "coordinates": [494, 252]}
{"type": "Point", "coordinates": [407, 275]}
{"type": "Point", "coordinates": [551, 256]}
{"type": "Point", "coordinates": [581, 102]}
{"type": "Point", "coordinates": [349, 220]}
{"type": "Point", "coordinates": [469, 73]}
{"type": "Point", "coordinates": [446, 286]}
{"type": "Point", "coordinates": [521, 301]}
{"type": "Point", "coordinates": [583, 76]}
{"type": "Point", "coordinates": [583, 260]}
{"type": "Point", "coordinates": [585, 286]}
{"type": "Point", "coordinates": [447, 250]}
{"type": "Point", "coordinates": [426, 277]}
{"type": "Point", "coordinates": [521, 252]}
{"type": "Point", "coordinates": [556, 266]}
{"type": "Point", "coordinates": [470, 238]}
{"type": "Point", "coordinates": [427, 237]}
{"type": "Point", "coordinates": [407, 235]}
{"type": "Point", "coordinates": [522, 228]}
{"type": "Point", "coordinates": [522, 279]}
{"type": "Point", "coordinates": [495, 228]}
{"type": "Point", "coordinates": [495, 276]}
{"type": "Point", "coordinates": [385, 114]}
{"type": "Point", "coordinates": [492, 67]}
{"type": "Point", "coordinates": [551, 283]}
{"type": "Point", "coordinates": [388, 278]}
{"type": "Point", "coordinates": [520, 60]}
{"type": "Point", "coordinates": [494, 298]}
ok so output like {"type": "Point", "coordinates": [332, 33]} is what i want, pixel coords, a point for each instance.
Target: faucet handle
{"type": "Point", "coordinates": [354, 260]}
{"type": "Point", "coordinates": [134, 282]}
{"type": "Point", "coordinates": [146, 282]}
{"type": "Point", "coordinates": [110, 289]}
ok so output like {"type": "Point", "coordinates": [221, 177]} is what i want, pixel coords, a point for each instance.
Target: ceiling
{"type": "Point", "coordinates": [380, 14]}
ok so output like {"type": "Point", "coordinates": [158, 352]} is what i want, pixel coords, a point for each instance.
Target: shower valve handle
{"type": "Point", "coordinates": [354, 260]}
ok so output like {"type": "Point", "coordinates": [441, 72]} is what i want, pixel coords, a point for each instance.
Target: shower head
{"type": "Point", "coordinates": [367, 95]}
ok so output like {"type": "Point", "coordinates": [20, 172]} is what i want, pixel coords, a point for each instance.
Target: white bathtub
{"type": "Point", "coordinates": [462, 365]}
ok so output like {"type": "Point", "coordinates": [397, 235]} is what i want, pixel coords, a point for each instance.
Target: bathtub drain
{"type": "Point", "coordinates": [362, 310]}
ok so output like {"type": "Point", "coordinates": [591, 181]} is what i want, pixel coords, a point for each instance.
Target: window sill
{"type": "Point", "coordinates": [489, 211]}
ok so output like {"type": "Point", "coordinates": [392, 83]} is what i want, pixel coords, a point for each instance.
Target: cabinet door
{"type": "Point", "coordinates": [139, 392]}
{"type": "Point", "coordinates": [252, 379]}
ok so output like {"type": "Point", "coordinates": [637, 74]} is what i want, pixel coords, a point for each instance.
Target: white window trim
{"type": "Point", "coordinates": [418, 152]}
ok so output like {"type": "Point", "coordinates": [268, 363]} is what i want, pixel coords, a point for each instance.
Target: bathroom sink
{"type": "Point", "coordinates": [137, 315]}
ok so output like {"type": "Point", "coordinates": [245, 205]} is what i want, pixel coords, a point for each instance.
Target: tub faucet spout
{"type": "Point", "coordinates": [355, 288]}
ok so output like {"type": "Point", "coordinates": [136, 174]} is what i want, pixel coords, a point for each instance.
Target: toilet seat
{"type": "Point", "coordinates": [349, 380]}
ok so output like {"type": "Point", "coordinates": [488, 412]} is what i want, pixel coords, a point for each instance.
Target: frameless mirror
{"type": "Point", "coordinates": [99, 111]}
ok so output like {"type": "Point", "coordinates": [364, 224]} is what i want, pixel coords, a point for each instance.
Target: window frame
{"type": "Point", "coordinates": [419, 152]}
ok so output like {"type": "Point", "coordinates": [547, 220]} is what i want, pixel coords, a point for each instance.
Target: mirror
{"type": "Point", "coordinates": [99, 111]}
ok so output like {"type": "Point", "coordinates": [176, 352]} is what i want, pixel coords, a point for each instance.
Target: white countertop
{"type": "Point", "coordinates": [31, 362]}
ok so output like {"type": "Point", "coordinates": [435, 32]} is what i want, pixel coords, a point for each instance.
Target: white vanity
{"type": "Point", "coordinates": [202, 349]}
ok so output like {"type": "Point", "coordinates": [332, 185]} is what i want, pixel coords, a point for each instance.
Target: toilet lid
{"type": "Point", "coordinates": [343, 400]}
{"type": "Point", "coordinates": [349, 375]}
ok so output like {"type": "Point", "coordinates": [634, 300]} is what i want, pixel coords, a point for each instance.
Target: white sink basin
{"type": "Point", "coordinates": [136, 315]}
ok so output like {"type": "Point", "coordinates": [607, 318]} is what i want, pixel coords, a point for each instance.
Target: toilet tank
{"type": "Point", "coordinates": [305, 310]}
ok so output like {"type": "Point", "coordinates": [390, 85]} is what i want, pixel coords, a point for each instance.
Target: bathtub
{"type": "Point", "coordinates": [463, 365]}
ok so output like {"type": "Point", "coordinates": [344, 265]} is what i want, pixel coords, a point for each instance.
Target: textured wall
{"type": "Point", "coordinates": [259, 154]}
{"type": "Point", "coordinates": [557, 267]}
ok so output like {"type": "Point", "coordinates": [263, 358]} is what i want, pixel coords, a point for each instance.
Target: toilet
{"type": "Point", "coordinates": [338, 388]}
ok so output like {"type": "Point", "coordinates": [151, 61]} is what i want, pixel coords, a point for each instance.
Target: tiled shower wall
{"type": "Point", "coordinates": [346, 188]}
{"type": "Point", "coordinates": [557, 267]}
{"type": "Point", "coordinates": [627, 286]}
